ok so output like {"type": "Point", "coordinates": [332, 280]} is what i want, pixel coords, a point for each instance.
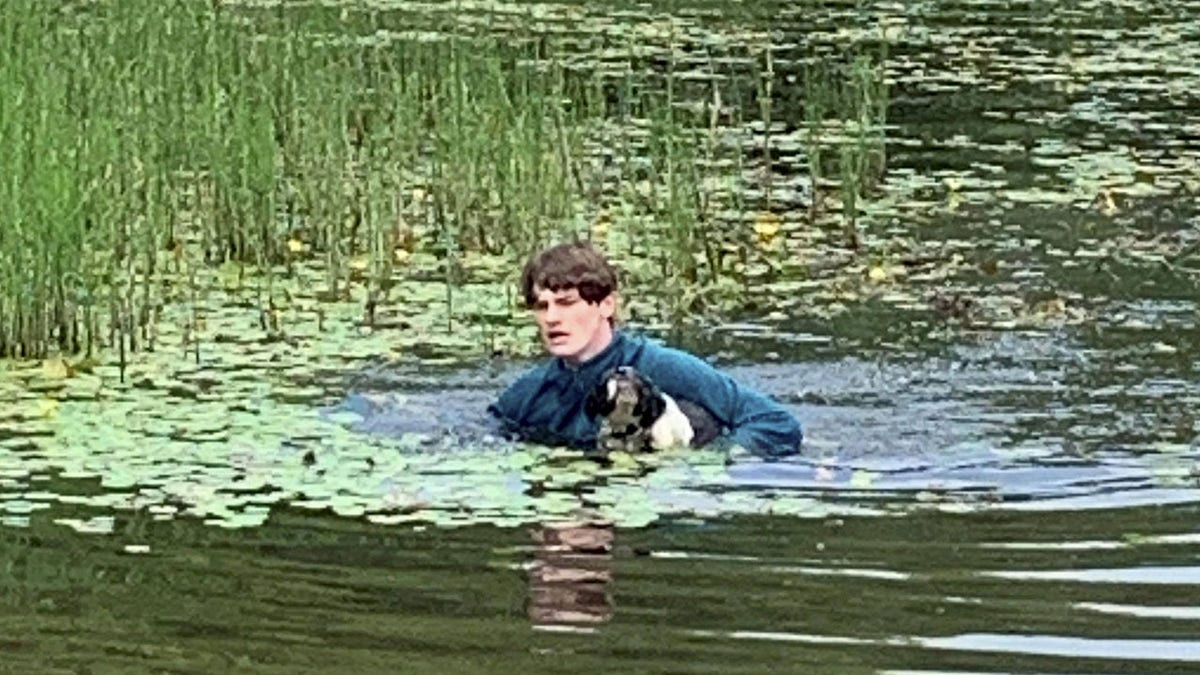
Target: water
{"type": "Point", "coordinates": [935, 524]}
{"type": "Point", "coordinates": [1061, 591]}
{"type": "Point", "coordinates": [1010, 488]}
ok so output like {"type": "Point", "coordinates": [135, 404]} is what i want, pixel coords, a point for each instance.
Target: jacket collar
{"type": "Point", "coordinates": [594, 367]}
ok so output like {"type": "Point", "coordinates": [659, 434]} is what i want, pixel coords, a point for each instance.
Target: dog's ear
{"type": "Point", "coordinates": [598, 402]}
{"type": "Point", "coordinates": [650, 406]}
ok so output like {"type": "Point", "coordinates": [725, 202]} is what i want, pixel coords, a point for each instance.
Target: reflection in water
{"type": "Point", "coordinates": [570, 574]}
{"type": "Point", "coordinates": [316, 592]}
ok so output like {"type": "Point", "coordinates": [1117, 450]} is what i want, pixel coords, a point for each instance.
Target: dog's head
{"type": "Point", "coordinates": [626, 398]}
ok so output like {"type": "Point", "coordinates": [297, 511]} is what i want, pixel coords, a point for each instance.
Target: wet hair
{"type": "Point", "coordinates": [575, 264]}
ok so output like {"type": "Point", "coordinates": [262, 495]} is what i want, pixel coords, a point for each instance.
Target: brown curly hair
{"type": "Point", "coordinates": [575, 264]}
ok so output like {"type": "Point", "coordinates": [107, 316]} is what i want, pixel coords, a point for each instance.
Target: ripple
{"type": "Point", "coordinates": [1125, 650]}
{"type": "Point", "coordinates": [1172, 575]}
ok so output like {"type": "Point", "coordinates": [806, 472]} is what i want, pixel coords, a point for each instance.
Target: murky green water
{"type": "Point", "coordinates": [1061, 591]}
{"type": "Point", "coordinates": [1002, 468]}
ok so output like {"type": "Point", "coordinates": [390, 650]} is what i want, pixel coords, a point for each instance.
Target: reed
{"type": "Point", "coordinates": [845, 122]}
{"type": "Point", "coordinates": [766, 93]}
{"type": "Point", "coordinates": [817, 99]}
{"type": "Point", "coordinates": [164, 137]}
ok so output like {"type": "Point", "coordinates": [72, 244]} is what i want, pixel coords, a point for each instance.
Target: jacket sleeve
{"type": "Point", "coordinates": [509, 409]}
{"type": "Point", "coordinates": [753, 420]}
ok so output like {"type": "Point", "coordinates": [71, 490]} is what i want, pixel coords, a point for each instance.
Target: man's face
{"type": "Point", "coordinates": [573, 328]}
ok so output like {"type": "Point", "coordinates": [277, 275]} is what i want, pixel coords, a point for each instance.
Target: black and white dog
{"type": "Point", "coordinates": [637, 416]}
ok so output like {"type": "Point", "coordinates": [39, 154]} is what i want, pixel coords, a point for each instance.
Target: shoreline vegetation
{"type": "Point", "coordinates": [146, 143]}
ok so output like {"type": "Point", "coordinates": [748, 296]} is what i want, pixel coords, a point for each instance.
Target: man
{"type": "Point", "coordinates": [572, 290]}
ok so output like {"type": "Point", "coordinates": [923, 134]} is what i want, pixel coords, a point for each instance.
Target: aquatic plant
{"type": "Point", "coordinates": [255, 140]}
{"type": "Point", "coordinates": [258, 141]}
{"type": "Point", "coordinates": [845, 115]}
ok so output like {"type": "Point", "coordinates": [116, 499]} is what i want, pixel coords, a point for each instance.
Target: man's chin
{"type": "Point", "coordinates": [564, 350]}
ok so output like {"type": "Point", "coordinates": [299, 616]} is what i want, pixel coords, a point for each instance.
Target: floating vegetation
{"type": "Point", "coordinates": [288, 193]}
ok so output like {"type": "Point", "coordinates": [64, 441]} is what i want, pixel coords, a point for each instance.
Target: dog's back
{"type": "Point", "coordinates": [704, 425]}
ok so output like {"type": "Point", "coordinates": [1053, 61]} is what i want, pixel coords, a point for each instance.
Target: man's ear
{"type": "Point", "coordinates": [598, 403]}
{"type": "Point", "coordinates": [608, 306]}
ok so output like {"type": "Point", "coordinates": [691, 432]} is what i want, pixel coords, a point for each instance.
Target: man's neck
{"type": "Point", "coordinates": [596, 348]}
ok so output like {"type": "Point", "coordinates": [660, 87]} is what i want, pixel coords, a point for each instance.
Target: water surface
{"type": "Point", "coordinates": [1002, 463]}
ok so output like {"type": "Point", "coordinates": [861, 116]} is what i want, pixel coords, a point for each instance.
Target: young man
{"type": "Point", "coordinates": [572, 290]}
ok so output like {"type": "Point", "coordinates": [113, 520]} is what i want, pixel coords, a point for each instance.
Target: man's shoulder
{"type": "Point", "coordinates": [536, 374]}
{"type": "Point", "coordinates": [639, 345]}
{"type": "Point", "coordinates": [675, 370]}
{"type": "Point", "coordinates": [514, 401]}
{"type": "Point", "coordinates": [651, 351]}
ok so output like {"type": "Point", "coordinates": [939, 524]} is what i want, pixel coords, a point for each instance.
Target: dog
{"type": "Point", "coordinates": [637, 416]}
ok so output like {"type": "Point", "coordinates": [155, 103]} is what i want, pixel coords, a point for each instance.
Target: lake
{"type": "Point", "coordinates": [1002, 462]}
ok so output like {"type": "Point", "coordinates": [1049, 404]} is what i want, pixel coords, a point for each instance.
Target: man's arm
{"type": "Point", "coordinates": [532, 409]}
{"type": "Point", "coordinates": [510, 408]}
{"type": "Point", "coordinates": [755, 421]}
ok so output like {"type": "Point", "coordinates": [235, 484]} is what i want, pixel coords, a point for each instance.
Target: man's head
{"type": "Point", "coordinates": [571, 289]}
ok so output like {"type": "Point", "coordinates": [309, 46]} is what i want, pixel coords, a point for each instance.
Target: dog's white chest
{"type": "Point", "coordinates": [672, 429]}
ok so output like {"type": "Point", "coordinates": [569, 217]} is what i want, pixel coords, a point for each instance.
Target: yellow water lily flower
{"type": "Point", "coordinates": [46, 407]}
{"type": "Point", "coordinates": [56, 369]}
{"type": "Point", "coordinates": [1106, 202]}
{"type": "Point", "coordinates": [602, 224]}
{"type": "Point", "coordinates": [767, 226]}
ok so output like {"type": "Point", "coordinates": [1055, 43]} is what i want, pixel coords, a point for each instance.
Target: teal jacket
{"type": "Point", "coordinates": [546, 404]}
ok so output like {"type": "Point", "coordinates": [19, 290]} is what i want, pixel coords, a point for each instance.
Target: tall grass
{"type": "Point", "coordinates": [845, 121]}
{"type": "Point", "coordinates": [175, 130]}
{"type": "Point", "coordinates": [142, 141]}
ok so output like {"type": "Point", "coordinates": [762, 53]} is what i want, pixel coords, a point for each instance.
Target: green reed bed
{"type": "Point", "coordinates": [159, 136]}
{"type": "Point", "coordinates": [161, 139]}
{"type": "Point", "coordinates": [845, 122]}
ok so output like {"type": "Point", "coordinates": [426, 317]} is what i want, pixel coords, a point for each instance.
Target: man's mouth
{"type": "Point", "coordinates": [555, 335]}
